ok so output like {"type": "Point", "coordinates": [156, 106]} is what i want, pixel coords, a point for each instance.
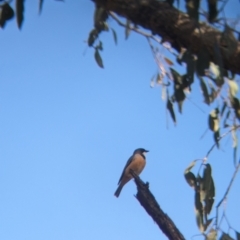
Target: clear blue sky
{"type": "Point", "coordinates": [67, 128]}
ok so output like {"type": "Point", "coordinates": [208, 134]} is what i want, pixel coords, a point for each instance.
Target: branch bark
{"type": "Point", "coordinates": [177, 28]}
{"type": "Point", "coordinates": [147, 200]}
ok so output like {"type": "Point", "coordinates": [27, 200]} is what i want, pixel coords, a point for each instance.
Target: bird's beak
{"type": "Point", "coordinates": [146, 151]}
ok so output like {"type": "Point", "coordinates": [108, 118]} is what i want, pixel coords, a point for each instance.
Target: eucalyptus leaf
{"type": "Point", "coordinates": [233, 88]}
{"type": "Point", "coordinates": [225, 236]}
{"type": "Point", "coordinates": [40, 6]}
{"type": "Point", "coordinates": [6, 13]}
{"type": "Point", "coordinates": [127, 29]}
{"type": "Point", "coordinates": [237, 235]}
{"type": "Point", "coordinates": [203, 61]}
{"type": "Point", "coordinates": [98, 58]}
{"type": "Point", "coordinates": [190, 178]}
{"type": "Point", "coordinates": [171, 110]}
{"type": "Point", "coordinates": [204, 90]}
{"type": "Point", "coordinates": [19, 12]}
{"type": "Point", "coordinates": [114, 35]}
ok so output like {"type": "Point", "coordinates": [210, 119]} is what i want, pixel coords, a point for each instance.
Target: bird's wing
{"type": "Point", "coordinates": [127, 164]}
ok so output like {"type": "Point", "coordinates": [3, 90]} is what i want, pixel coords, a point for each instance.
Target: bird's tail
{"type": "Point", "coordinates": [118, 191]}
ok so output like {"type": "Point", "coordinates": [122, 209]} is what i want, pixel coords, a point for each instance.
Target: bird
{"type": "Point", "coordinates": [136, 163]}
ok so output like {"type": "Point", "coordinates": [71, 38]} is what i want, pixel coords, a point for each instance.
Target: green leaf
{"type": "Point", "coordinates": [213, 120]}
{"type": "Point", "coordinates": [204, 90]}
{"type": "Point", "coordinates": [226, 118]}
{"type": "Point", "coordinates": [6, 13]}
{"type": "Point", "coordinates": [237, 235]}
{"type": "Point", "coordinates": [98, 58]}
{"type": "Point", "coordinates": [192, 7]}
{"type": "Point", "coordinates": [236, 106]}
{"type": "Point", "coordinates": [199, 212]}
{"type": "Point", "coordinates": [212, 10]}
{"type": "Point", "coordinates": [208, 205]}
{"type": "Point", "coordinates": [19, 12]}
{"type": "Point", "coordinates": [93, 35]}
{"type": "Point", "coordinates": [218, 59]}
{"type": "Point", "coordinates": [223, 108]}
{"type": "Point", "coordinates": [225, 236]}
{"type": "Point", "coordinates": [212, 235]}
{"type": "Point", "coordinates": [171, 110]}
{"type": "Point", "coordinates": [127, 29]}
{"type": "Point", "coordinates": [208, 222]}
{"type": "Point", "coordinates": [40, 6]}
{"type": "Point", "coordinates": [114, 35]}
{"type": "Point", "coordinates": [216, 137]}
{"type": "Point", "coordinates": [203, 61]}
{"type": "Point", "coordinates": [191, 179]}
{"type": "Point", "coordinates": [207, 174]}
{"type": "Point", "coordinates": [233, 88]}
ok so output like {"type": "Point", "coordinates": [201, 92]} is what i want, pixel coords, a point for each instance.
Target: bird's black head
{"type": "Point", "coordinates": [140, 150]}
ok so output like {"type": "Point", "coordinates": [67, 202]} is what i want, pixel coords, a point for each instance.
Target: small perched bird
{"type": "Point", "coordinates": [137, 163]}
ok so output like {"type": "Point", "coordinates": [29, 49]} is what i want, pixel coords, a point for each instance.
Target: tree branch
{"type": "Point", "coordinates": [175, 27]}
{"type": "Point", "coordinates": [147, 200]}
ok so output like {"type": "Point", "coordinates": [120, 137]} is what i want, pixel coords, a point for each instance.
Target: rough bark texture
{"type": "Point", "coordinates": [147, 200]}
{"type": "Point", "coordinates": [177, 28]}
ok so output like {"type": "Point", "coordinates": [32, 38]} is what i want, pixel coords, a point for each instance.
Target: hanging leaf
{"type": "Point", "coordinates": [171, 110]}
{"type": "Point", "coordinates": [198, 211]}
{"type": "Point", "coordinates": [204, 90]}
{"type": "Point", "coordinates": [212, 235]}
{"type": "Point", "coordinates": [223, 108]}
{"type": "Point", "coordinates": [236, 106]}
{"type": "Point", "coordinates": [208, 222]}
{"type": "Point", "coordinates": [191, 179]}
{"type": "Point", "coordinates": [127, 29]}
{"type": "Point", "coordinates": [40, 6]}
{"type": "Point", "coordinates": [207, 174]}
{"type": "Point", "coordinates": [212, 10]}
{"type": "Point", "coordinates": [226, 118]}
{"type": "Point", "coordinates": [225, 236]}
{"type": "Point", "coordinates": [6, 13]}
{"type": "Point", "coordinates": [98, 58]}
{"type": "Point", "coordinates": [114, 36]}
{"type": "Point", "coordinates": [237, 235]}
{"type": "Point", "coordinates": [233, 88]}
{"type": "Point", "coordinates": [19, 12]}
{"type": "Point", "coordinates": [216, 137]}
{"type": "Point", "coordinates": [218, 59]}
{"type": "Point", "coordinates": [192, 7]}
{"type": "Point", "coordinates": [93, 35]}
{"type": "Point", "coordinates": [213, 120]}
{"type": "Point", "coordinates": [203, 61]}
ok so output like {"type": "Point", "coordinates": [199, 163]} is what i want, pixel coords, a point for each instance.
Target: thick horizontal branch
{"type": "Point", "coordinates": [175, 27]}
{"type": "Point", "coordinates": [147, 200]}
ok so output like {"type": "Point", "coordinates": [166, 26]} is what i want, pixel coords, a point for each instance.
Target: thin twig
{"type": "Point", "coordinates": [220, 138]}
{"type": "Point", "coordinates": [228, 189]}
